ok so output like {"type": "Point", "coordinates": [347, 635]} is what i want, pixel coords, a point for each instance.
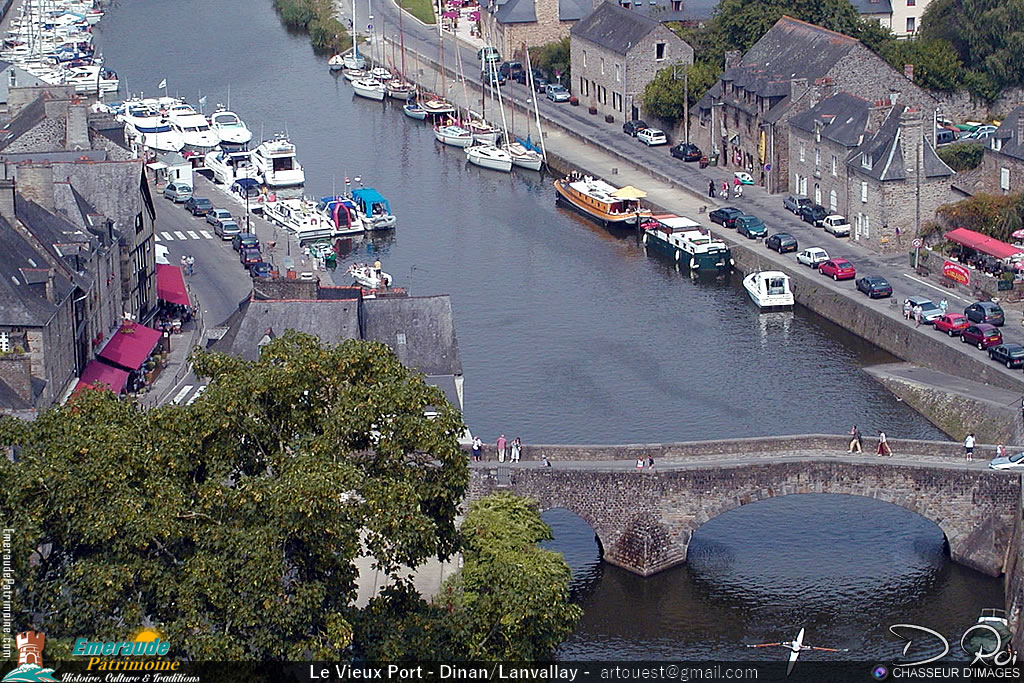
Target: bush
{"type": "Point", "coordinates": [317, 19]}
{"type": "Point", "coordinates": [963, 157]}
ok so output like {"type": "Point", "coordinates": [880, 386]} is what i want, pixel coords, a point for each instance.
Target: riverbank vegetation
{"type": "Point", "coordinates": [997, 216]}
{"type": "Point", "coordinates": [421, 9]}
{"type": "Point", "coordinates": [316, 18]}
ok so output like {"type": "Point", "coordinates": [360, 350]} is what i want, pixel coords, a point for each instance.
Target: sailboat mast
{"type": "Point", "coordinates": [401, 38]}
{"type": "Point", "coordinates": [536, 109]}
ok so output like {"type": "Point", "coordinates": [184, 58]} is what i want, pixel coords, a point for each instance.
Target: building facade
{"type": "Point", "coordinates": [510, 24]}
{"type": "Point", "coordinates": [615, 53]}
{"type": "Point", "coordinates": [1002, 166]}
{"type": "Point", "coordinates": [902, 17]}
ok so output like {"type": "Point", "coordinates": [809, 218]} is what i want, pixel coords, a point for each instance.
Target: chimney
{"type": "Point", "coordinates": [912, 142]}
{"type": "Point", "coordinates": [16, 372]}
{"type": "Point", "coordinates": [78, 126]}
{"type": "Point", "coordinates": [7, 198]}
{"type": "Point", "coordinates": [35, 182]}
{"type": "Point", "coordinates": [49, 286]}
{"type": "Point", "coordinates": [908, 71]}
{"type": "Point", "coordinates": [732, 58]}
{"type": "Point", "coordinates": [54, 108]}
{"type": "Point", "coordinates": [1020, 128]}
{"type": "Point", "coordinates": [876, 115]}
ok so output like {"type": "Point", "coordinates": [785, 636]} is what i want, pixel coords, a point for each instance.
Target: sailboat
{"type": "Point", "coordinates": [437, 105]}
{"type": "Point", "coordinates": [485, 153]}
{"type": "Point", "coordinates": [399, 88]}
{"type": "Point", "coordinates": [353, 60]}
{"type": "Point", "coordinates": [524, 154]}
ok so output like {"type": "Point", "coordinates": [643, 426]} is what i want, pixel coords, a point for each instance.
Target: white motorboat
{"type": "Point", "coordinates": [523, 157]}
{"type": "Point", "coordinates": [341, 213]}
{"type": "Point", "coordinates": [398, 89]}
{"type": "Point", "coordinates": [193, 127]}
{"type": "Point", "coordinates": [227, 166]}
{"type": "Point", "coordinates": [354, 74]}
{"type": "Point", "coordinates": [145, 126]}
{"type": "Point", "coordinates": [373, 209]}
{"type": "Point", "coordinates": [300, 217]}
{"type": "Point", "coordinates": [483, 132]}
{"type": "Point", "coordinates": [367, 276]}
{"type": "Point", "coordinates": [489, 156]}
{"type": "Point", "coordinates": [414, 111]}
{"type": "Point", "coordinates": [769, 289]}
{"type": "Point", "coordinates": [336, 63]}
{"type": "Point", "coordinates": [231, 130]}
{"type": "Point", "coordinates": [275, 161]}
{"type": "Point", "coordinates": [91, 79]}
{"type": "Point", "coordinates": [381, 74]}
{"type": "Point", "coordinates": [456, 136]}
{"type": "Point", "coordinates": [369, 88]}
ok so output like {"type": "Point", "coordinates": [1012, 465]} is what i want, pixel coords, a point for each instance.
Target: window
{"type": "Point", "coordinates": [865, 161]}
{"type": "Point", "coordinates": [835, 165]}
{"type": "Point", "coordinates": [817, 193]}
{"type": "Point", "coordinates": [863, 191]}
{"type": "Point", "coordinates": [803, 187]}
{"type": "Point", "coordinates": [616, 101]}
{"type": "Point", "coordinates": [400, 337]}
{"type": "Point", "coordinates": [911, 3]}
{"type": "Point", "coordinates": [833, 201]}
{"type": "Point", "coordinates": [802, 152]}
{"type": "Point", "coordinates": [997, 144]}
{"type": "Point", "coordinates": [817, 158]}
{"type": "Point", "coordinates": [659, 51]}
{"type": "Point", "coordinates": [677, 5]}
{"type": "Point", "coordinates": [1004, 179]}
{"type": "Point", "coordinates": [867, 225]}
{"type": "Point", "coordinates": [14, 78]}
{"type": "Point", "coordinates": [5, 342]}
{"type": "Point", "coordinates": [911, 24]}
{"type": "Point", "coordinates": [618, 73]}
{"type": "Point", "coordinates": [602, 66]}
{"type": "Point", "coordinates": [817, 133]}
{"type": "Point", "coordinates": [584, 58]}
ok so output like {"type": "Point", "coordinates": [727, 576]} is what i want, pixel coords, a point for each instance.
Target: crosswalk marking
{"type": "Point", "coordinates": [157, 237]}
{"type": "Point", "coordinates": [167, 236]}
{"type": "Point", "coordinates": [180, 396]}
{"type": "Point", "coordinates": [193, 235]}
{"type": "Point", "coordinates": [206, 234]}
{"type": "Point", "coordinates": [180, 235]}
{"type": "Point", "coordinates": [196, 395]}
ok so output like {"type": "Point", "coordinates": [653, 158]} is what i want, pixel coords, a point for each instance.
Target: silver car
{"type": "Point", "coordinates": [795, 202]}
{"type": "Point", "coordinates": [929, 310]}
{"type": "Point", "coordinates": [812, 257]}
{"type": "Point", "coordinates": [1008, 462]}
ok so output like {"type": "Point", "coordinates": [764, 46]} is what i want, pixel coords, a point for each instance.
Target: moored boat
{"type": "Point", "coordinates": [300, 217]}
{"type": "Point", "coordinates": [381, 74]}
{"type": "Point", "coordinates": [275, 161]}
{"type": "Point", "coordinates": [374, 209]}
{"type": "Point", "coordinates": [340, 213]}
{"type": "Point", "coordinates": [370, 88]}
{"type": "Point", "coordinates": [990, 635]}
{"type": "Point", "coordinates": [456, 136]}
{"type": "Point", "coordinates": [354, 74]}
{"type": "Point", "coordinates": [414, 111]}
{"type": "Point", "coordinates": [336, 63]}
{"type": "Point", "coordinates": [227, 167]}
{"type": "Point", "coordinates": [231, 130]}
{"type": "Point", "coordinates": [435, 106]}
{"type": "Point", "coordinates": [523, 157]}
{"type": "Point", "coordinates": [399, 89]}
{"type": "Point", "coordinates": [687, 243]}
{"type": "Point", "coordinates": [769, 289]}
{"type": "Point", "coordinates": [483, 132]}
{"type": "Point", "coordinates": [489, 156]}
{"type": "Point", "coordinates": [368, 276]}
{"type": "Point", "coordinates": [609, 205]}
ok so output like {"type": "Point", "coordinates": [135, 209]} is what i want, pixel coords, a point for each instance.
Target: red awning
{"type": "Point", "coordinates": [99, 375]}
{"type": "Point", "coordinates": [131, 345]}
{"type": "Point", "coordinates": [170, 285]}
{"type": "Point", "coordinates": [983, 243]}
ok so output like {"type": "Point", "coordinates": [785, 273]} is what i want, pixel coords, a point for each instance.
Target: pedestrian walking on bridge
{"type": "Point", "coordinates": [855, 440]}
{"type": "Point", "coordinates": [883, 445]}
{"type": "Point", "coordinates": [969, 447]}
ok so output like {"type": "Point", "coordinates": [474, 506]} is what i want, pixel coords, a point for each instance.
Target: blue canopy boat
{"type": "Point", "coordinates": [373, 209]}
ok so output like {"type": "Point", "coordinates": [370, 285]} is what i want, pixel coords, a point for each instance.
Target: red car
{"type": "Point", "coordinates": [838, 268]}
{"type": "Point", "coordinates": [982, 335]}
{"type": "Point", "coordinates": [952, 323]}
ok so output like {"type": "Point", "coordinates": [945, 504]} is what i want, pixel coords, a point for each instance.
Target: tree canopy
{"type": "Point", "coordinates": [663, 96]}
{"type": "Point", "coordinates": [231, 524]}
{"type": "Point", "coordinates": [553, 58]}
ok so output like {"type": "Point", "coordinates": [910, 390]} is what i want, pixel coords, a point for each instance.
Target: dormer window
{"type": "Point", "coordinates": [865, 161]}
{"type": "Point", "coordinates": [997, 144]}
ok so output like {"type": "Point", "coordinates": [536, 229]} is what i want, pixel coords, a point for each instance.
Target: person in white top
{"type": "Point", "coordinates": [969, 447]}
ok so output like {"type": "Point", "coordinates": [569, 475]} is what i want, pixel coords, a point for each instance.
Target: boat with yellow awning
{"type": "Point", "coordinates": [608, 205]}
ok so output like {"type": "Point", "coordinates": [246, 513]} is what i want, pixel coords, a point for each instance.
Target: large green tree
{"type": "Point", "coordinates": [231, 524]}
{"type": "Point", "coordinates": [936, 64]}
{"type": "Point", "coordinates": [553, 58]}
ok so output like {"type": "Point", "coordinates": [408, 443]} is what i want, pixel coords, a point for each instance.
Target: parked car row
{"type": "Point", "coordinates": [225, 226]}
{"type": "Point", "coordinates": [817, 215]}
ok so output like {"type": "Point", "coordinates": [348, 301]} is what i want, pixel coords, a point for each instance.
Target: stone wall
{"type": "Point", "coordinates": [960, 106]}
{"type": "Point", "coordinates": [1013, 585]}
{"type": "Point", "coordinates": [819, 175]}
{"type": "Point", "coordinates": [645, 520]}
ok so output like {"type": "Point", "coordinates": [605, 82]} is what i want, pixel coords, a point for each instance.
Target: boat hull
{"type": "Point", "coordinates": [501, 162]}
{"type": "Point", "coordinates": [414, 112]}
{"type": "Point", "coordinates": [486, 138]}
{"type": "Point", "coordinates": [370, 93]}
{"type": "Point", "coordinates": [453, 140]}
{"type": "Point", "coordinates": [566, 198]}
{"type": "Point", "coordinates": [711, 262]}
{"type": "Point", "coordinates": [766, 303]}
{"type": "Point", "coordinates": [401, 94]}
{"type": "Point", "coordinates": [529, 162]}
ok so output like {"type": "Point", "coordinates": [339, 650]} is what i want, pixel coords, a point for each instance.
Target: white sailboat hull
{"type": "Point", "coordinates": [370, 89]}
{"type": "Point", "coordinates": [490, 157]}
{"type": "Point", "coordinates": [453, 140]}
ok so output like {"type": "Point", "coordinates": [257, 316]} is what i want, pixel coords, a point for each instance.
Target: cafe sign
{"type": "Point", "coordinates": [956, 272]}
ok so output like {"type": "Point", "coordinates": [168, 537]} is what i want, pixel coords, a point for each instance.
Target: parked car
{"type": "Point", "coordinates": [952, 323]}
{"type": "Point", "coordinates": [838, 269]}
{"type": "Point", "coordinates": [178, 192]}
{"type": "Point", "coordinates": [523, 76]}
{"type": "Point", "coordinates": [556, 93]}
{"type": "Point", "coordinates": [687, 151]}
{"type": "Point", "coordinates": [795, 202]}
{"type": "Point", "coordinates": [488, 77]}
{"type": "Point", "coordinates": [652, 137]}
{"type": "Point", "coordinates": [1008, 462]}
{"type": "Point", "coordinates": [260, 270]}
{"type": "Point", "coordinates": [930, 312]}
{"type": "Point", "coordinates": [875, 286]}
{"type": "Point", "coordinates": [217, 215]}
{"type": "Point", "coordinates": [743, 177]}
{"type": "Point", "coordinates": [245, 240]}
{"type": "Point", "coordinates": [510, 69]}
{"type": "Point", "coordinates": [725, 216]}
{"type": "Point", "coordinates": [812, 257]}
{"type": "Point", "coordinates": [781, 242]}
{"type": "Point", "coordinates": [813, 214]}
{"type": "Point", "coordinates": [836, 225]}
{"type": "Point", "coordinates": [198, 206]}
{"type": "Point", "coordinates": [1009, 354]}
{"type": "Point", "coordinates": [633, 127]}
{"type": "Point", "coordinates": [540, 83]}
{"type": "Point", "coordinates": [227, 229]}
{"type": "Point", "coordinates": [982, 335]}
{"type": "Point", "coordinates": [944, 136]}
{"type": "Point", "coordinates": [751, 226]}
{"type": "Point", "coordinates": [488, 54]}
{"type": "Point", "coordinates": [250, 256]}
{"type": "Point", "coordinates": [985, 312]}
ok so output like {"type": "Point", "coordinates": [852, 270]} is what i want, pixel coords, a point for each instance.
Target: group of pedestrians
{"type": "Point", "coordinates": [513, 451]}
{"type": "Point", "coordinates": [915, 312]}
{"type": "Point", "coordinates": [188, 264]}
{"type": "Point", "coordinates": [737, 188]}
{"type": "Point", "coordinates": [856, 447]}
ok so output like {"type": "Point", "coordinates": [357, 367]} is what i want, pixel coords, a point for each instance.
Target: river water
{"type": "Point", "coordinates": [569, 334]}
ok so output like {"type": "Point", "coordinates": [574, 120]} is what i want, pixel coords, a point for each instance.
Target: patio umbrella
{"type": "Point", "coordinates": [474, 16]}
{"type": "Point", "coordinates": [1018, 234]}
{"type": "Point", "coordinates": [450, 15]}
{"type": "Point", "coordinates": [629, 192]}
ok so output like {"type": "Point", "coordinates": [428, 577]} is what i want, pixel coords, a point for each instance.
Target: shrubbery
{"type": "Point", "coordinates": [316, 18]}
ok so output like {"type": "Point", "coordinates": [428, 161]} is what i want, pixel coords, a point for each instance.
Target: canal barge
{"type": "Point", "coordinates": [687, 243]}
{"type": "Point", "coordinates": [608, 205]}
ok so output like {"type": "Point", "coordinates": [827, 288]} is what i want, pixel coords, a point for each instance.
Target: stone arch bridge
{"type": "Point", "coordinates": [644, 519]}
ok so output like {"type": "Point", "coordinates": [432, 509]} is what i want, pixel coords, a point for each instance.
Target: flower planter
{"type": "Point", "coordinates": [593, 110]}
{"type": "Point", "coordinates": [574, 101]}
{"type": "Point", "coordinates": [608, 118]}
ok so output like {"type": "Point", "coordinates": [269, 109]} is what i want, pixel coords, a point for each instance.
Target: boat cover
{"type": "Point", "coordinates": [339, 209]}
{"type": "Point", "coordinates": [247, 182]}
{"type": "Point", "coordinates": [369, 199]}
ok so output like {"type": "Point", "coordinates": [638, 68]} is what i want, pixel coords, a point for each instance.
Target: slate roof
{"type": "Point", "coordinates": [872, 6]}
{"type": "Point", "coordinates": [515, 12]}
{"type": "Point", "coordinates": [23, 270]}
{"type": "Point", "coordinates": [112, 187]}
{"type": "Point", "coordinates": [613, 27]}
{"type": "Point", "coordinates": [1007, 134]}
{"type": "Point", "coordinates": [843, 117]}
{"type": "Point", "coordinates": [43, 157]}
{"type": "Point", "coordinates": [68, 245]}
{"type": "Point", "coordinates": [574, 10]}
{"type": "Point", "coordinates": [427, 325]}
{"type": "Point", "coordinates": [27, 119]}
{"type": "Point", "coordinates": [886, 155]}
{"type": "Point", "coordinates": [330, 321]}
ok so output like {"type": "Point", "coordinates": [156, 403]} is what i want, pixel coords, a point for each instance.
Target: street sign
{"type": "Point", "coordinates": [916, 243]}
{"type": "Point", "coordinates": [369, 27]}
{"type": "Point", "coordinates": [767, 167]}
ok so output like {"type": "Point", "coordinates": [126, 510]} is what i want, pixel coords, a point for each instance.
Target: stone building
{"type": "Point", "coordinates": [615, 53]}
{"type": "Point", "coordinates": [744, 118]}
{"type": "Point", "coordinates": [509, 24]}
{"type": "Point", "coordinates": [1002, 166]}
{"type": "Point", "coordinates": [902, 17]}
{"type": "Point", "coordinates": [896, 181]}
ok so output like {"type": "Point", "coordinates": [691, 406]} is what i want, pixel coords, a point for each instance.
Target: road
{"type": "Point", "coordinates": [589, 135]}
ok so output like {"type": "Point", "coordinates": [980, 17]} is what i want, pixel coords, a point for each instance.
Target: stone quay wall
{"type": "Point", "coordinates": [1014, 581]}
